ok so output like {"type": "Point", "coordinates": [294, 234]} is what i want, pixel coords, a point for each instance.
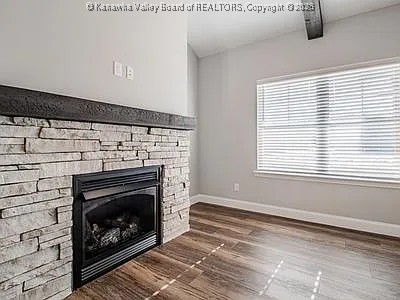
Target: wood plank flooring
{"type": "Point", "coordinates": [233, 254]}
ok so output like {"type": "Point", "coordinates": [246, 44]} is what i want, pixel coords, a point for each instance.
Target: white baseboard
{"type": "Point", "coordinates": [308, 216]}
{"type": "Point", "coordinates": [196, 198]}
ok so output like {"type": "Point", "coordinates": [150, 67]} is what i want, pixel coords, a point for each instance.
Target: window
{"type": "Point", "coordinates": [337, 124]}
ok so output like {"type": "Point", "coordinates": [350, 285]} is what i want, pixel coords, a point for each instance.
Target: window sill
{"type": "Point", "coordinates": [328, 179]}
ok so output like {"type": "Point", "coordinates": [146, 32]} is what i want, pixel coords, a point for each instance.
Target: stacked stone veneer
{"type": "Point", "coordinates": [37, 160]}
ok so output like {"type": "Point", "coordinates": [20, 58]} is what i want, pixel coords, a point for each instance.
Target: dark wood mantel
{"type": "Point", "coordinates": [19, 102]}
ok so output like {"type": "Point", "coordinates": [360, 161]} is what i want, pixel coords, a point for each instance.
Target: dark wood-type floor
{"type": "Point", "coordinates": [258, 254]}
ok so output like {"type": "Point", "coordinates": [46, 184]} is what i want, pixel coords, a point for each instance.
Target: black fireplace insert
{"type": "Point", "coordinates": [116, 216]}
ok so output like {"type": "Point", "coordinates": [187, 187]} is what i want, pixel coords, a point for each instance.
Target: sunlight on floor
{"type": "Point", "coordinates": [181, 274]}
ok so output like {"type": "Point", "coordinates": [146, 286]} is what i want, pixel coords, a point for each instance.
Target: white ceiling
{"type": "Point", "coordinates": [212, 32]}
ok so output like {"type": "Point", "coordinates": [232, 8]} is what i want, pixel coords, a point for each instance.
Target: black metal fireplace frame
{"type": "Point", "coordinates": [120, 181]}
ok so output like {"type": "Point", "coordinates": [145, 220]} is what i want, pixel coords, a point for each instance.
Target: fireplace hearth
{"type": "Point", "coordinates": [116, 216]}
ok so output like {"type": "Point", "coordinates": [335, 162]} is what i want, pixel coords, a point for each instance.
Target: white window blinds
{"type": "Point", "coordinates": [341, 124]}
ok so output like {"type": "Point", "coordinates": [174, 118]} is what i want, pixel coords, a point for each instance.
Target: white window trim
{"type": "Point", "coordinates": [330, 70]}
{"type": "Point", "coordinates": [330, 179]}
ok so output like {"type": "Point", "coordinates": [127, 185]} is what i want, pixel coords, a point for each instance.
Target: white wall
{"type": "Point", "coordinates": [227, 111]}
{"type": "Point", "coordinates": [193, 70]}
{"type": "Point", "coordinates": [60, 47]}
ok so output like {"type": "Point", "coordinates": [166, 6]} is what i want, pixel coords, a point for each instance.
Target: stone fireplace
{"type": "Point", "coordinates": [43, 149]}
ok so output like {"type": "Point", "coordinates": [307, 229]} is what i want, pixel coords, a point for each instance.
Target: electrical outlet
{"type": "Point", "coordinates": [117, 69]}
{"type": "Point", "coordinates": [129, 72]}
{"type": "Point", "coordinates": [236, 187]}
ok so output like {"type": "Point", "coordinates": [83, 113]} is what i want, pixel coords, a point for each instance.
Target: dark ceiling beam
{"type": "Point", "coordinates": [313, 19]}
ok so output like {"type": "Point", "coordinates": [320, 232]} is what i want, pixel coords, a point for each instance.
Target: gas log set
{"type": "Point", "coordinates": [110, 232]}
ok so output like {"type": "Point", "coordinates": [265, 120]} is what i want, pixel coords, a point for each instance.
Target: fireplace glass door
{"type": "Point", "coordinates": [116, 217]}
{"type": "Point", "coordinates": [112, 221]}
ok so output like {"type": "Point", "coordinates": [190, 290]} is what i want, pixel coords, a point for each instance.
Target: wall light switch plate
{"type": "Point", "coordinates": [236, 187]}
{"type": "Point", "coordinates": [117, 69]}
{"type": "Point", "coordinates": [129, 72]}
